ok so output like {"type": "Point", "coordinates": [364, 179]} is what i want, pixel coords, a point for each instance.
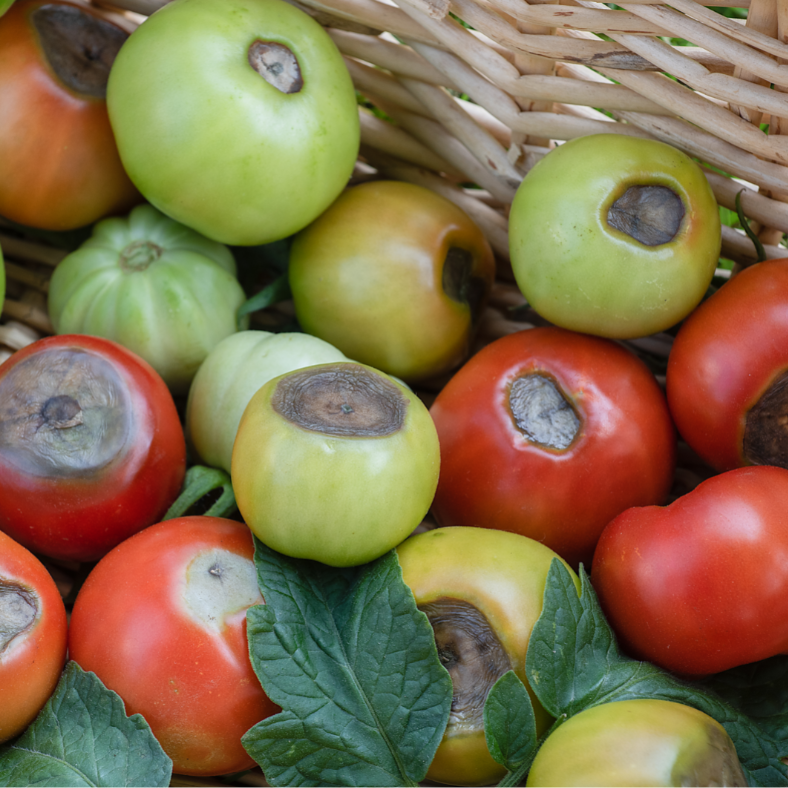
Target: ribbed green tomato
{"type": "Point", "coordinates": [643, 742]}
{"type": "Point", "coordinates": [231, 375]}
{"type": "Point", "coordinates": [154, 286]}
{"type": "Point", "coordinates": [237, 118]}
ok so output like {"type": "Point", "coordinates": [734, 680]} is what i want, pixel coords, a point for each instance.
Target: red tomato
{"type": "Point", "coordinates": [161, 620]}
{"type": "Point", "coordinates": [701, 585]}
{"type": "Point", "coordinates": [726, 372]}
{"type": "Point", "coordinates": [59, 165]}
{"type": "Point", "coordinates": [91, 446]}
{"type": "Point", "coordinates": [32, 637]}
{"type": "Point", "coordinates": [550, 434]}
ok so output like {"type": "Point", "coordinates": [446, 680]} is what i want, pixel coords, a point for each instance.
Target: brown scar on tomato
{"type": "Point", "coordinates": [18, 611]}
{"type": "Point", "coordinates": [651, 215]}
{"type": "Point", "coordinates": [343, 400]}
{"type": "Point", "coordinates": [765, 439]}
{"type": "Point", "coordinates": [63, 412]}
{"type": "Point", "coordinates": [715, 764]}
{"type": "Point", "coordinates": [542, 412]}
{"type": "Point", "coordinates": [277, 65]}
{"type": "Point", "coordinates": [79, 47]}
{"type": "Point", "coordinates": [460, 284]}
{"type": "Point", "coordinates": [472, 653]}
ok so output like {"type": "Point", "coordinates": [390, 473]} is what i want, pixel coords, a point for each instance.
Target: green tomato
{"type": "Point", "coordinates": [395, 276]}
{"type": "Point", "coordinates": [483, 591]}
{"type": "Point", "coordinates": [230, 376]}
{"type": "Point", "coordinates": [335, 462]}
{"type": "Point", "coordinates": [149, 283]}
{"type": "Point", "coordinates": [237, 118]}
{"type": "Point", "coordinates": [640, 742]}
{"type": "Point", "coordinates": [614, 235]}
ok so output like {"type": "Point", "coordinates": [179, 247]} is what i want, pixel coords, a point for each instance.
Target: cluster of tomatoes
{"type": "Point", "coordinates": [558, 435]}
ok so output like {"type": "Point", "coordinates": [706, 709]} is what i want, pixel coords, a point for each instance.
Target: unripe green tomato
{"type": "Point", "coordinates": [335, 462]}
{"type": "Point", "coordinates": [230, 376]}
{"type": "Point", "coordinates": [154, 286]}
{"type": "Point", "coordinates": [641, 742]}
{"type": "Point", "coordinates": [614, 235]}
{"type": "Point", "coordinates": [483, 591]}
{"type": "Point", "coordinates": [237, 118]}
{"type": "Point", "coordinates": [395, 276]}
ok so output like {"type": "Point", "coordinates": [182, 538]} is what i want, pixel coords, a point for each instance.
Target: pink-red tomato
{"type": "Point", "coordinates": [728, 369]}
{"type": "Point", "coordinates": [161, 620]}
{"type": "Point", "coordinates": [91, 446]}
{"type": "Point", "coordinates": [701, 585]}
{"type": "Point", "coordinates": [550, 434]}
{"type": "Point", "coordinates": [33, 633]}
{"type": "Point", "coordinates": [59, 165]}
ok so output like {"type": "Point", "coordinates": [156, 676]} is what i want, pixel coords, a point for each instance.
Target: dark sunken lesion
{"type": "Point", "coordinates": [277, 65]}
{"type": "Point", "coordinates": [343, 399]}
{"type": "Point", "coordinates": [18, 611]}
{"type": "Point", "coordinates": [766, 427]}
{"type": "Point", "coordinates": [459, 282]}
{"type": "Point", "coordinates": [471, 652]}
{"type": "Point", "coordinates": [79, 47]}
{"type": "Point", "coordinates": [542, 413]}
{"type": "Point", "coordinates": [651, 215]}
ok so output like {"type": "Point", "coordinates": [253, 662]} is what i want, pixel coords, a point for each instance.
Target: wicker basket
{"type": "Point", "coordinates": [475, 92]}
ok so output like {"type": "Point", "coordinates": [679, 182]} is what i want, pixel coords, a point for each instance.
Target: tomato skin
{"type": "Point", "coordinates": [701, 585]}
{"type": "Point", "coordinates": [53, 175]}
{"type": "Point", "coordinates": [726, 354]}
{"type": "Point", "coordinates": [493, 477]}
{"type": "Point", "coordinates": [193, 682]}
{"type": "Point", "coordinates": [31, 663]}
{"type": "Point", "coordinates": [80, 516]}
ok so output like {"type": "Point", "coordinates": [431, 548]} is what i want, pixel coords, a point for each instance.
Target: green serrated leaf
{"type": "Point", "coordinates": [510, 724]}
{"type": "Point", "coordinates": [82, 737]}
{"type": "Point", "coordinates": [353, 664]}
{"type": "Point", "coordinates": [573, 662]}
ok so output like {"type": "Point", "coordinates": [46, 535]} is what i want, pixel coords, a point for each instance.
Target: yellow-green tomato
{"type": "Point", "coordinates": [395, 276]}
{"type": "Point", "coordinates": [483, 591]}
{"type": "Point", "coordinates": [640, 742]}
{"type": "Point", "coordinates": [335, 462]}
{"type": "Point", "coordinates": [237, 118]}
{"type": "Point", "coordinates": [154, 286]}
{"type": "Point", "coordinates": [614, 235]}
{"type": "Point", "coordinates": [230, 376]}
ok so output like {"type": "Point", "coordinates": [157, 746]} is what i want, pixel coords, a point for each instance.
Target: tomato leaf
{"type": "Point", "coordinates": [353, 664]}
{"type": "Point", "coordinates": [574, 662]}
{"type": "Point", "coordinates": [82, 737]}
{"type": "Point", "coordinates": [510, 724]}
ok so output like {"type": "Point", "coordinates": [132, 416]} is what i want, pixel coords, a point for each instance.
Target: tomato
{"type": "Point", "coordinates": [638, 742]}
{"type": "Point", "coordinates": [156, 287]}
{"type": "Point", "coordinates": [550, 434]}
{"type": "Point", "coordinates": [230, 376]}
{"type": "Point", "coordinates": [238, 118]}
{"type": "Point", "coordinates": [33, 633]}
{"type": "Point", "coordinates": [161, 620]}
{"type": "Point", "coordinates": [395, 276]}
{"type": "Point", "coordinates": [482, 591]}
{"type": "Point", "coordinates": [59, 164]}
{"type": "Point", "coordinates": [727, 371]}
{"type": "Point", "coordinates": [614, 235]}
{"type": "Point", "coordinates": [335, 462]}
{"type": "Point", "coordinates": [91, 446]}
{"type": "Point", "coordinates": [701, 585]}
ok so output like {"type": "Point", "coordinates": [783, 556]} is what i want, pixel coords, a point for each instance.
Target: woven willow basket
{"type": "Point", "coordinates": [477, 91]}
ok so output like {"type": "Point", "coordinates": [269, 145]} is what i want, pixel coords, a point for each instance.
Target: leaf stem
{"type": "Point", "coordinates": [759, 250]}
{"type": "Point", "coordinates": [199, 481]}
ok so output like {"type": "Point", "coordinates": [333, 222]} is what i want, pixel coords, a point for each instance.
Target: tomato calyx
{"type": "Point", "coordinates": [277, 65]}
{"type": "Point", "coordinates": [18, 611]}
{"type": "Point", "coordinates": [79, 47]}
{"type": "Point", "coordinates": [765, 440]}
{"type": "Point", "coordinates": [472, 653]}
{"type": "Point", "coordinates": [139, 255]}
{"type": "Point", "coordinates": [542, 412]}
{"type": "Point", "coordinates": [343, 400]}
{"type": "Point", "coordinates": [651, 215]}
{"type": "Point", "coordinates": [460, 284]}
